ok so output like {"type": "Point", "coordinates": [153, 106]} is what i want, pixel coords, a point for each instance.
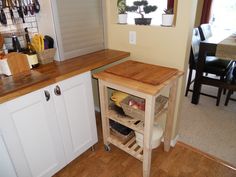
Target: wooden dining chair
{"type": "Point", "coordinates": [213, 65]}
{"type": "Point", "coordinates": [230, 92]}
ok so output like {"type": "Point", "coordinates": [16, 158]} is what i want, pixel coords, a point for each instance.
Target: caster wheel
{"type": "Point", "coordinates": [93, 148]}
{"type": "Point", "coordinates": [107, 148]}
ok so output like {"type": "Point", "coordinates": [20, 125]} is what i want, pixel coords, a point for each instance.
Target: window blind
{"type": "Point", "coordinates": [81, 27]}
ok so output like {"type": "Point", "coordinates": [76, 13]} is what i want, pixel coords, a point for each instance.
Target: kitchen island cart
{"type": "Point", "coordinates": [144, 81]}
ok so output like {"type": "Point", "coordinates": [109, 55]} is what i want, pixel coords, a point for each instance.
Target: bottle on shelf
{"type": "Point", "coordinates": [16, 44]}
{"type": "Point", "coordinates": [30, 51]}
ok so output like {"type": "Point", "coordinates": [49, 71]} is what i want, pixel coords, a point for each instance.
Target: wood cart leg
{"type": "Point", "coordinates": [104, 106]}
{"type": "Point", "coordinates": [170, 116]}
{"type": "Point", "coordinates": [148, 129]}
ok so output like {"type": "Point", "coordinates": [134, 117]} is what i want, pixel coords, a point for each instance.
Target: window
{"type": "Point", "coordinates": [156, 16]}
{"type": "Point", "coordinates": [223, 14]}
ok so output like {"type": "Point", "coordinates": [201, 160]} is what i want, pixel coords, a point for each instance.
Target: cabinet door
{"type": "Point", "coordinates": [75, 111]}
{"type": "Point", "coordinates": [35, 134]}
{"type": "Point", "coordinates": [6, 166]}
{"type": "Point", "coordinates": [12, 143]}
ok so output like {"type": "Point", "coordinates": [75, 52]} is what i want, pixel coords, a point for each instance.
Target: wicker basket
{"type": "Point", "coordinates": [137, 113]}
{"type": "Point", "coordinates": [120, 136]}
{"type": "Point", "coordinates": [46, 56]}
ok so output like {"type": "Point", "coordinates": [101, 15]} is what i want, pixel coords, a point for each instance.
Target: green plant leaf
{"type": "Point", "coordinates": [121, 5]}
{"type": "Point", "coordinates": [131, 8]}
{"type": "Point", "coordinates": [149, 9]}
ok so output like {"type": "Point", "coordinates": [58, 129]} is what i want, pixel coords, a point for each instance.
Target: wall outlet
{"type": "Point", "coordinates": [132, 37]}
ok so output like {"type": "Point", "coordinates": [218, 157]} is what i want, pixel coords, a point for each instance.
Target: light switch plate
{"type": "Point", "coordinates": [132, 37]}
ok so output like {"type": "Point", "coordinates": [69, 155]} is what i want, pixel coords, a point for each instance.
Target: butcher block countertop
{"type": "Point", "coordinates": [45, 75]}
{"type": "Point", "coordinates": [138, 76]}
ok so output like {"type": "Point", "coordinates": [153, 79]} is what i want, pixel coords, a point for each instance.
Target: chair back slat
{"type": "Point", "coordinates": [194, 48]}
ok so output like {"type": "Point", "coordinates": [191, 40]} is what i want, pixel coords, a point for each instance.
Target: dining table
{"type": "Point", "coordinates": [222, 46]}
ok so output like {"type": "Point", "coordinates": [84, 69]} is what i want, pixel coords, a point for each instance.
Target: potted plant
{"type": "Point", "coordinates": [141, 7]}
{"type": "Point", "coordinates": [168, 17]}
{"type": "Point", "coordinates": [122, 15]}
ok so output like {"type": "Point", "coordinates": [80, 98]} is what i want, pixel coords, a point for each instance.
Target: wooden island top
{"type": "Point", "coordinates": [141, 77]}
{"type": "Point", "coordinates": [45, 75]}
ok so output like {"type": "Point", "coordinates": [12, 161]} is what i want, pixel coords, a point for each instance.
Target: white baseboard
{"type": "Point", "coordinates": [97, 109]}
{"type": "Point", "coordinates": [173, 141]}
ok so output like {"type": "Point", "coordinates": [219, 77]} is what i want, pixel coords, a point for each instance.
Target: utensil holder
{"type": "Point", "coordinates": [46, 56]}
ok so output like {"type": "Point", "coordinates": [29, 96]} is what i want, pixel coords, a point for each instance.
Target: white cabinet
{"type": "Point", "coordinates": [6, 166]}
{"type": "Point", "coordinates": [32, 135]}
{"type": "Point", "coordinates": [43, 131]}
{"type": "Point", "coordinates": [75, 112]}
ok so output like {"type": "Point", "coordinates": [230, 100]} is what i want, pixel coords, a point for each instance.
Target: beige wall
{"type": "Point", "coordinates": [199, 13]}
{"type": "Point", "coordinates": [167, 46]}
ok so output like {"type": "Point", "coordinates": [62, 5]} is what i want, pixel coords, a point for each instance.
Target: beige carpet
{"type": "Point", "coordinates": [209, 128]}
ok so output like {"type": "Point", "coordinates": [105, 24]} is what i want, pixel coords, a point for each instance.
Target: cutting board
{"type": "Point", "coordinates": [17, 63]}
{"type": "Point", "coordinates": [143, 72]}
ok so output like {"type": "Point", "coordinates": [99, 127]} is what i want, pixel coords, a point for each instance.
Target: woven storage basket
{"type": "Point", "coordinates": [137, 113]}
{"type": "Point", "coordinates": [46, 56]}
{"type": "Point", "coordinates": [120, 136]}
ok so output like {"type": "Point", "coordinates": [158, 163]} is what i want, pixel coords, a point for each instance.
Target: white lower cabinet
{"type": "Point", "coordinates": [43, 131]}
{"type": "Point", "coordinates": [76, 116]}
{"type": "Point", "coordinates": [32, 135]}
{"type": "Point", "coordinates": [6, 167]}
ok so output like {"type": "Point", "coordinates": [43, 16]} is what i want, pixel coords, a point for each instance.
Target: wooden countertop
{"type": "Point", "coordinates": [45, 75]}
{"type": "Point", "coordinates": [139, 76]}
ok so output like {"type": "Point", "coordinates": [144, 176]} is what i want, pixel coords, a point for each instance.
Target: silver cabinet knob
{"type": "Point", "coordinates": [47, 95]}
{"type": "Point", "coordinates": [57, 91]}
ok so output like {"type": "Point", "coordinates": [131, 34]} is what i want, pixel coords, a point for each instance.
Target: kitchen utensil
{"type": "Point", "coordinates": [31, 8]}
{"type": "Point", "coordinates": [25, 8]}
{"type": "Point", "coordinates": [14, 2]}
{"type": "Point", "coordinates": [50, 41]}
{"type": "Point", "coordinates": [38, 42]}
{"type": "Point", "coordinates": [36, 6]}
{"type": "Point", "coordinates": [11, 6]}
{"type": "Point", "coordinates": [46, 44]}
{"type": "Point", "coordinates": [12, 16]}
{"type": "Point", "coordinates": [3, 18]}
{"type": "Point", "coordinates": [20, 11]}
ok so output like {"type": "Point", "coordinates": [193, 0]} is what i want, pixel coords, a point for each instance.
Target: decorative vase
{"type": "Point", "coordinates": [167, 19]}
{"type": "Point", "coordinates": [143, 21]}
{"type": "Point", "coordinates": [122, 18]}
